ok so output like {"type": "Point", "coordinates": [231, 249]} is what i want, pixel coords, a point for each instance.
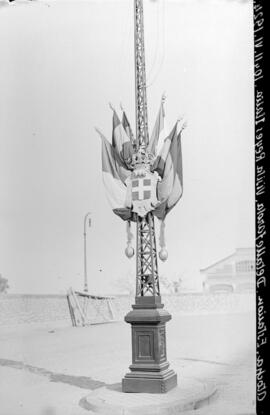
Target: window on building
{"type": "Point", "coordinates": [245, 266]}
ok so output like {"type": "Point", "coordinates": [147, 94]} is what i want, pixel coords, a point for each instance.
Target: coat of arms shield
{"type": "Point", "coordinates": [142, 190]}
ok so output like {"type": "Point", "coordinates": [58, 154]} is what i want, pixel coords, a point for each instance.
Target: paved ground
{"type": "Point", "coordinates": [48, 369]}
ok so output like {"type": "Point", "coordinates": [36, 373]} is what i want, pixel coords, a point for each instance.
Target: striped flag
{"type": "Point", "coordinates": [127, 127]}
{"type": "Point", "coordinates": [177, 190]}
{"type": "Point", "coordinates": [159, 131]}
{"type": "Point", "coordinates": [116, 191]}
{"type": "Point", "coordinates": [121, 169]}
{"type": "Point", "coordinates": [121, 142]}
{"type": "Point", "coordinates": [170, 189]}
{"type": "Point", "coordinates": [160, 162]}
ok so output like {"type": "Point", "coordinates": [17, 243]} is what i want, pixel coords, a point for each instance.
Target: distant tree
{"type": "Point", "coordinates": [165, 284]}
{"type": "Point", "coordinates": [127, 283]}
{"type": "Point", "coordinates": [177, 286]}
{"type": "Point", "coordinates": [3, 284]}
{"type": "Point", "coordinates": [171, 286]}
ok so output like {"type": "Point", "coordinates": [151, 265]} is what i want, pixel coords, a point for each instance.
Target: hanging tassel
{"type": "Point", "coordinates": [129, 251]}
{"type": "Point", "coordinates": [163, 253]}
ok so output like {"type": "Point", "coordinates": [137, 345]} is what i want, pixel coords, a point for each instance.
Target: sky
{"type": "Point", "coordinates": [62, 62]}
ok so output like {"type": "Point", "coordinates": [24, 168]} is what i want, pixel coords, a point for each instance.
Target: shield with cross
{"type": "Point", "coordinates": [143, 189]}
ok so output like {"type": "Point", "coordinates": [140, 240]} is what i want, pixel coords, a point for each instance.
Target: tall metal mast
{"type": "Point", "coordinates": [147, 281]}
{"type": "Point", "coordinates": [149, 371]}
{"type": "Point", "coordinates": [140, 76]}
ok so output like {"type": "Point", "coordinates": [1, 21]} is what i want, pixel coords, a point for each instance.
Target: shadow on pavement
{"type": "Point", "coordinates": [83, 382]}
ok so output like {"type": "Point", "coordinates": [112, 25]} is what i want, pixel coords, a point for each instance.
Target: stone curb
{"type": "Point", "coordinates": [191, 394]}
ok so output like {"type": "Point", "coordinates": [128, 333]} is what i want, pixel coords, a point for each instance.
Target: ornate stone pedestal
{"type": "Point", "coordinates": [149, 371]}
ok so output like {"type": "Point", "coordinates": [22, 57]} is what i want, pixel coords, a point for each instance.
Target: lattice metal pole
{"type": "Point", "coordinates": [140, 76]}
{"type": "Point", "coordinates": [147, 267]}
{"type": "Point", "coordinates": [149, 371]}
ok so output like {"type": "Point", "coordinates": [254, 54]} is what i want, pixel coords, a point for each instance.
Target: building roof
{"type": "Point", "coordinates": [237, 251]}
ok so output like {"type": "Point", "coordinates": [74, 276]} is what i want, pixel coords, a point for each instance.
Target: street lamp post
{"type": "Point", "coordinates": [85, 249]}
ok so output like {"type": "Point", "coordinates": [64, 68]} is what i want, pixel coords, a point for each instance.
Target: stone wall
{"type": "Point", "coordinates": [21, 309]}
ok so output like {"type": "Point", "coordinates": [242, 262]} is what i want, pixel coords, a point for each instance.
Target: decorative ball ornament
{"type": "Point", "coordinates": [129, 251]}
{"type": "Point", "coordinates": [163, 254]}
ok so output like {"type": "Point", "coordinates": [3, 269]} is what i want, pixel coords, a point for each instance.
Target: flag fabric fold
{"type": "Point", "coordinates": [177, 189]}
{"type": "Point", "coordinates": [170, 188]}
{"type": "Point", "coordinates": [159, 131]}
{"type": "Point", "coordinates": [120, 167]}
{"type": "Point", "coordinates": [127, 127]}
{"type": "Point", "coordinates": [160, 161]}
{"type": "Point", "coordinates": [116, 169]}
{"type": "Point", "coordinates": [121, 141]}
{"type": "Point", "coordinates": [116, 191]}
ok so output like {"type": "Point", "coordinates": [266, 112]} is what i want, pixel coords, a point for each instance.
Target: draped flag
{"type": "Point", "coordinates": [177, 189]}
{"type": "Point", "coordinates": [159, 163]}
{"type": "Point", "coordinates": [170, 188]}
{"type": "Point", "coordinates": [159, 131]}
{"type": "Point", "coordinates": [120, 167]}
{"type": "Point", "coordinates": [130, 187]}
{"type": "Point", "coordinates": [121, 142]}
{"type": "Point", "coordinates": [116, 191]}
{"type": "Point", "coordinates": [127, 126]}
{"type": "Point", "coordinates": [165, 186]}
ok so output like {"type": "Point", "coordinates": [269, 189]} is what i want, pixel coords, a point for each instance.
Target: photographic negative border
{"type": "Point", "coordinates": [261, 204]}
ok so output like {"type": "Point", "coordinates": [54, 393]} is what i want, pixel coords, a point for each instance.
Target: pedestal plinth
{"type": "Point", "coordinates": [149, 371]}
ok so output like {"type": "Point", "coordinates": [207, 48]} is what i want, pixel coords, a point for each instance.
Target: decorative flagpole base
{"type": "Point", "coordinates": [149, 371]}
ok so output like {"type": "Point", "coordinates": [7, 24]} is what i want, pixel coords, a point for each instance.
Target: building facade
{"type": "Point", "coordinates": [235, 273]}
